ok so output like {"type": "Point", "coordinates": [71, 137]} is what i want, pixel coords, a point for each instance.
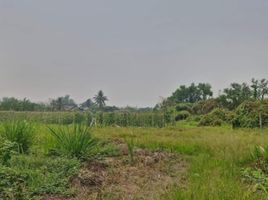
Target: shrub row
{"type": "Point", "coordinates": [246, 115]}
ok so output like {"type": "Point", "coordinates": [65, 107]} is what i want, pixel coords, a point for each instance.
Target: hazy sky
{"type": "Point", "coordinates": [134, 50]}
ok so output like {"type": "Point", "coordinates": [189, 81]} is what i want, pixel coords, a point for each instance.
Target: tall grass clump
{"type": "Point", "coordinates": [131, 146]}
{"type": "Point", "coordinates": [20, 132]}
{"type": "Point", "coordinates": [75, 140]}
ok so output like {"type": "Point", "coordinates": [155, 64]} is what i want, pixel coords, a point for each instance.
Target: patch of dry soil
{"type": "Point", "coordinates": [114, 178]}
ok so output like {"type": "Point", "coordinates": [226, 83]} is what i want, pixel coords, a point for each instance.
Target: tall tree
{"type": "Point", "coordinates": [100, 99]}
{"type": "Point", "coordinates": [237, 93]}
{"type": "Point", "coordinates": [255, 87]}
{"type": "Point", "coordinates": [192, 93]}
{"type": "Point", "coordinates": [263, 88]}
{"type": "Point", "coordinates": [205, 90]}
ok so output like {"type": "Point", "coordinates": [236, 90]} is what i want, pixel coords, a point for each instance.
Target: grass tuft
{"type": "Point", "coordinates": [74, 141]}
{"type": "Point", "coordinates": [20, 132]}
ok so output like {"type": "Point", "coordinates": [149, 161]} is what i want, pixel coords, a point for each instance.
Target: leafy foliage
{"type": "Point", "coordinates": [257, 173]}
{"type": "Point", "coordinates": [248, 114]}
{"type": "Point", "coordinates": [100, 99]}
{"type": "Point", "coordinates": [216, 117]}
{"type": "Point", "coordinates": [205, 107]}
{"type": "Point", "coordinates": [11, 103]}
{"type": "Point", "coordinates": [7, 149]}
{"type": "Point", "coordinates": [12, 184]}
{"type": "Point", "coordinates": [182, 115]}
{"type": "Point", "coordinates": [192, 93]}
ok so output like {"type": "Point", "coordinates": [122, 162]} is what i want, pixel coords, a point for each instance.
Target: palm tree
{"type": "Point", "coordinates": [100, 99]}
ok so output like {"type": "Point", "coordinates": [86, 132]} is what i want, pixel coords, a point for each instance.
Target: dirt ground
{"type": "Point", "coordinates": [115, 178]}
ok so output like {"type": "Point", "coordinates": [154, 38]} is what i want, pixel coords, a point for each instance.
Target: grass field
{"type": "Point", "coordinates": [213, 160]}
{"type": "Point", "coordinates": [215, 156]}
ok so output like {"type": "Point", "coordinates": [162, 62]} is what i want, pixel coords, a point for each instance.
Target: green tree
{"type": "Point", "coordinates": [205, 90]}
{"type": "Point", "coordinates": [11, 103]}
{"type": "Point", "coordinates": [260, 88]}
{"type": "Point", "coordinates": [62, 103]}
{"type": "Point", "coordinates": [236, 94]}
{"type": "Point", "coordinates": [192, 94]}
{"type": "Point", "coordinates": [100, 99]}
{"type": "Point", "coordinates": [255, 88]}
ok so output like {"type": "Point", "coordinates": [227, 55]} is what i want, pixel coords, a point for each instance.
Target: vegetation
{"type": "Point", "coordinates": [29, 176]}
{"type": "Point", "coordinates": [20, 132]}
{"type": "Point", "coordinates": [216, 117]}
{"type": "Point", "coordinates": [142, 119]}
{"type": "Point", "coordinates": [52, 151]}
{"type": "Point", "coordinates": [216, 155]}
{"type": "Point", "coordinates": [75, 141]}
{"type": "Point", "coordinates": [100, 99]}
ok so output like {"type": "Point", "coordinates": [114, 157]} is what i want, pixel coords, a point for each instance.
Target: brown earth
{"type": "Point", "coordinates": [115, 178]}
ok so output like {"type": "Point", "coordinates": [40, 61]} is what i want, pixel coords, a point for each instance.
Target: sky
{"type": "Point", "coordinates": [136, 51]}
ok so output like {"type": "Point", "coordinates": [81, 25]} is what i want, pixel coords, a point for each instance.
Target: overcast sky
{"type": "Point", "coordinates": [134, 50]}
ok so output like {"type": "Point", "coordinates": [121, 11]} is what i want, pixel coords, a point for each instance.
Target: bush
{"type": "Point", "coordinates": [7, 149]}
{"type": "Point", "coordinates": [20, 132]}
{"type": "Point", "coordinates": [216, 117]}
{"type": "Point", "coordinates": [182, 115]}
{"type": "Point", "coordinates": [204, 107]}
{"type": "Point", "coordinates": [247, 114]}
{"type": "Point", "coordinates": [75, 140]}
{"type": "Point", "coordinates": [12, 185]}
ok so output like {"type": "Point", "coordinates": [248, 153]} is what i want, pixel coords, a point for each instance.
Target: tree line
{"type": "Point", "coordinates": [65, 103]}
{"type": "Point", "coordinates": [230, 97]}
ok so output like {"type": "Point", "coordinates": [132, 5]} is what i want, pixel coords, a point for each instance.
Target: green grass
{"type": "Point", "coordinates": [215, 155]}
{"type": "Point", "coordinates": [20, 132]}
{"type": "Point", "coordinates": [32, 175]}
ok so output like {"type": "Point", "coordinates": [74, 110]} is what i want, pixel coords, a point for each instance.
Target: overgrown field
{"type": "Point", "coordinates": [44, 161]}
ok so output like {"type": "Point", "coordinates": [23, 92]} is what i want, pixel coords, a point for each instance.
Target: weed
{"type": "Point", "coordinates": [75, 140]}
{"type": "Point", "coordinates": [20, 132]}
{"type": "Point", "coordinates": [131, 146]}
{"type": "Point", "coordinates": [7, 149]}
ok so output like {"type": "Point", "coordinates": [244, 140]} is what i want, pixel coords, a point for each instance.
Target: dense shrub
{"type": "Point", "coordinates": [182, 115]}
{"type": "Point", "coordinates": [216, 117]}
{"type": "Point", "coordinates": [248, 114]}
{"type": "Point", "coordinates": [204, 107]}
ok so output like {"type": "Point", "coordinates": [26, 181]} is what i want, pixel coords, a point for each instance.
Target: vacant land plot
{"type": "Point", "coordinates": [182, 162]}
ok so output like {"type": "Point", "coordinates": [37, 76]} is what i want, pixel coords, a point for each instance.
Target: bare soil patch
{"type": "Point", "coordinates": [114, 178]}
